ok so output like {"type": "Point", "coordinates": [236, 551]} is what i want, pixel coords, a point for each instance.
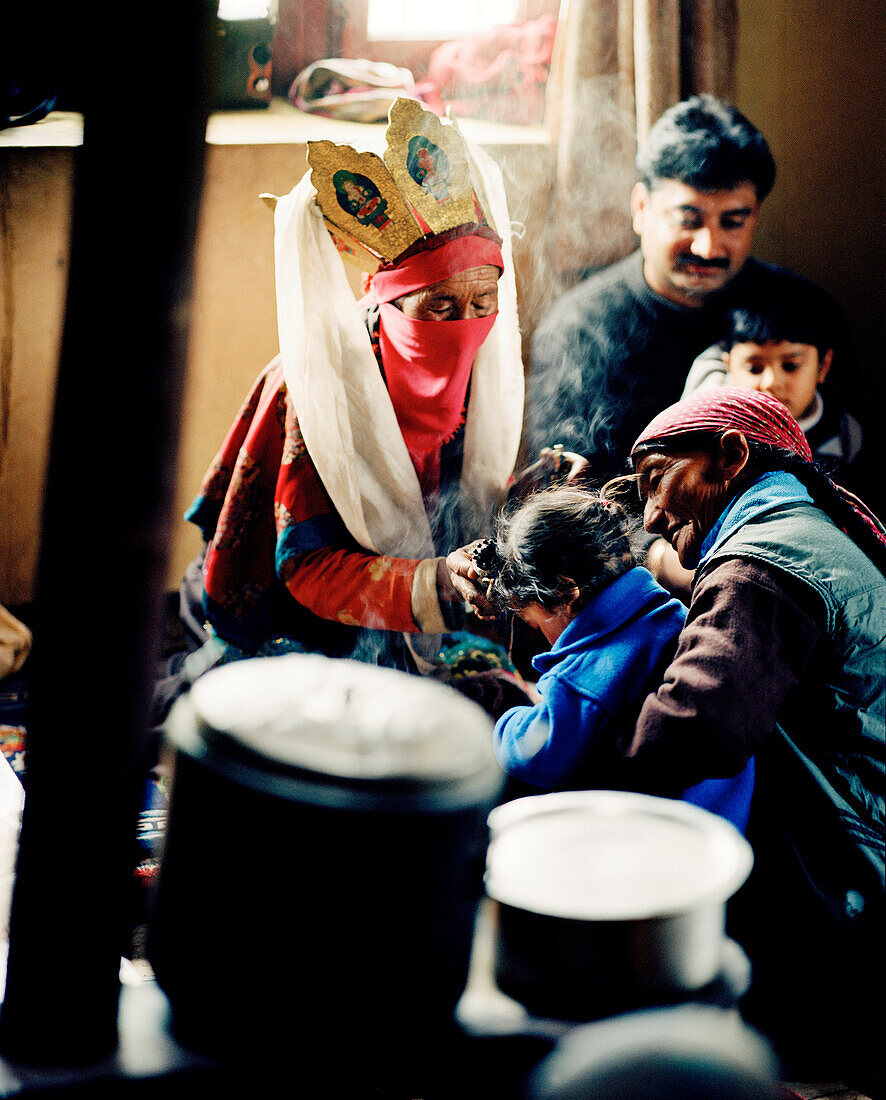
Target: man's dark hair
{"type": "Point", "coordinates": [707, 144]}
{"type": "Point", "coordinates": [777, 320]}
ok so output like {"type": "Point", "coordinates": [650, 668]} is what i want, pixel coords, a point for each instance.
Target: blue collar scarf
{"type": "Point", "coordinates": [767, 492]}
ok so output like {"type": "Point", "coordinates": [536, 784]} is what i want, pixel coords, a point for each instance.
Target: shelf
{"type": "Point", "coordinates": [278, 124]}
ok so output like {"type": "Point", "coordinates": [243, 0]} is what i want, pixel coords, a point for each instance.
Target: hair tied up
{"type": "Point", "coordinates": [611, 506]}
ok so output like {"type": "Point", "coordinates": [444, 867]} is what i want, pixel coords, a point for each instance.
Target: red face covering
{"type": "Point", "coordinates": [428, 364]}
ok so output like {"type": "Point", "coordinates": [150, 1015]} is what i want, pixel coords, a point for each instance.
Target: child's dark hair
{"type": "Point", "coordinates": [707, 144]}
{"type": "Point", "coordinates": [775, 321]}
{"type": "Point", "coordinates": [555, 540]}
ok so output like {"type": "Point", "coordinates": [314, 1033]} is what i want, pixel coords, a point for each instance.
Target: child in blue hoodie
{"type": "Point", "coordinates": [563, 562]}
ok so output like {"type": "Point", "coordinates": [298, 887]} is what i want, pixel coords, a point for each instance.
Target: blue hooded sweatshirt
{"type": "Point", "coordinates": [593, 682]}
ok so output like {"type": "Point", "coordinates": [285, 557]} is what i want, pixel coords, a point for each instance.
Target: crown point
{"type": "Point", "coordinates": [430, 162]}
{"type": "Point", "coordinates": [376, 208]}
{"type": "Point", "coordinates": [356, 193]}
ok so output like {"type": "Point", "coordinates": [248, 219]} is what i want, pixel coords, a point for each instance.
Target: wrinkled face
{"type": "Point", "coordinates": [684, 495]}
{"type": "Point", "coordinates": [472, 293]}
{"type": "Point", "coordinates": [693, 242]}
{"type": "Point", "coordinates": [786, 371]}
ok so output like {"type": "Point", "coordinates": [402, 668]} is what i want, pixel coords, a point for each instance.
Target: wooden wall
{"type": "Point", "coordinates": [35, 214]}
{"type": "Point", "coordinates": [811, 75]}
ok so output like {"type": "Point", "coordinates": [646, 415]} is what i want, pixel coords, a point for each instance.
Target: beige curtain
{"type": "Point", "coordinates": [618, 65]}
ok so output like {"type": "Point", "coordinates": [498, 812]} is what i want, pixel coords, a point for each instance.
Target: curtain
{"type": "Point", "coordinates": [618, 64]}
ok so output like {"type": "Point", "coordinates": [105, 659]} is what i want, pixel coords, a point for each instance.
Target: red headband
{"type": "Point", "coordinates": [757, 416]}
{"type": "Point", "coordinates": [430, 266]}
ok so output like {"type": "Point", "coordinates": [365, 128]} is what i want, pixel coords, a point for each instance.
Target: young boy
{"type": "Point", "coordinates": [779, 349]}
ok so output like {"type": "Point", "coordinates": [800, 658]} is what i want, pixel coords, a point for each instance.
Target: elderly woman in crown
{"type": "Point", "coordinates": [384, 434]}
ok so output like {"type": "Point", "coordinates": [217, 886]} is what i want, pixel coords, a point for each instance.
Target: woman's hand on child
{"type": "Point", "coordinates": [663, 563]}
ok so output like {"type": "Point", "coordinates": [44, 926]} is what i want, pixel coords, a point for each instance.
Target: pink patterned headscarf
{"type": "Point", "coordinates": [757, 416]}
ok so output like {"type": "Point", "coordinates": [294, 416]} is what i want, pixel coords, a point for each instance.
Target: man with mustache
{"type": "Point", "coordinates": [616, 348]}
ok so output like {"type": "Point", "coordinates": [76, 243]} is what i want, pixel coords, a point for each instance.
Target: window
{"type": "Point", "coordinates": [401, 32]}
{"type": "Point", "coordinates": [395, 20]}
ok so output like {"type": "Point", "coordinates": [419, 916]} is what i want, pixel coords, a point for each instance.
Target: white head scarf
{"type": "Point", "coordinates": [343, 408]}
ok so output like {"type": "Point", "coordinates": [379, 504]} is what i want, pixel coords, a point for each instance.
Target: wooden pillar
{"type": "Point", "coordinates": [107, 517]}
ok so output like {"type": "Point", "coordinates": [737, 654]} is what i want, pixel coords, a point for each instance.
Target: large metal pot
{"type": "Point", "coordinates": [323, 859]}
{"type": "Point", "coordinates": [608, 901]}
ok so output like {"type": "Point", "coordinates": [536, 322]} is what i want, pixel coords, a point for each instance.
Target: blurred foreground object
{"type": "Point", "coordinates": [608, 901]}
{"type": "Point", "coordinates": [326, 837]}
{"type": "Point", "coordinates": [661, 1054]}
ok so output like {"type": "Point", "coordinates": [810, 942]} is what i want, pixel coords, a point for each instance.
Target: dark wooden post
{"type": "Point", "coordinates": [143, 82]}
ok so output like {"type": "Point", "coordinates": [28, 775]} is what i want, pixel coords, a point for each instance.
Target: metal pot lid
{"type": "Point", "coordinates": [339, 718]}
{"type": "Point", "coordinates": [612, 855]}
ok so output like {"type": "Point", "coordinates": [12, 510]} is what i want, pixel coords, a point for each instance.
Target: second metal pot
{"type": "Point", "coordinates": [607, 900]}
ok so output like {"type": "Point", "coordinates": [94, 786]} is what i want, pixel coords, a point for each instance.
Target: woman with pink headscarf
{"type": "Point", "coordinates": [783, 657]}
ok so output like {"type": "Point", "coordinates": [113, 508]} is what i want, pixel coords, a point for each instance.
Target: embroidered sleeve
{"type": "Point", "coordinates": [353, 587]}
{"type": "Point", "coordinates": [217, 481]}
{"type": "Point", "coordinates": [266, 515]}
{"type": "Point", "coordinates": [325, 570]}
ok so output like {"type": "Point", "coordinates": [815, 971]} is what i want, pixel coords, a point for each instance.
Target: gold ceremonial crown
{"type": "Point", "coordinates": [375, 208]}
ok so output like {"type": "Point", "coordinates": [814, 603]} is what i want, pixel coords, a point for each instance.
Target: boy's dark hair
{"type": "Point", "coordinates": [707, 144]}
{"type": "Point", "coordinates": [775, 321]}
{"type": "Point", "coordinates": [555, 539]}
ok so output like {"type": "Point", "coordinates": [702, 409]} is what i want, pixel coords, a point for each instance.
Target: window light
{"type": "Point", "coordinates": [392, 19]}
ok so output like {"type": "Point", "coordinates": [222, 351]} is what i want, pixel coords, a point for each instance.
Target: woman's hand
{"type": "Point", "coordinates": [460, 578]}
{"type": "Point", "coordinates": [554, 466]}
{"type": "Point", "coordinates": [571, 466]}
{"type": "Point", "coordinates": [663, 563]}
